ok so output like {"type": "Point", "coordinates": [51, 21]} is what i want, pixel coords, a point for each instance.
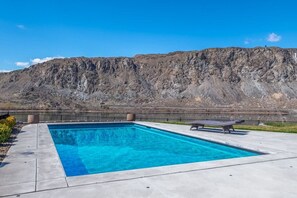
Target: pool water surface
{"type": "Point", "coordinates": [100, 148]}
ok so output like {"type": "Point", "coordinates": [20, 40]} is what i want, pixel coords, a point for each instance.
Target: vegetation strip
{"type": "Point", "coordinates": [8, 133]}
{"type": "Point", "coordinates": [284, 127]}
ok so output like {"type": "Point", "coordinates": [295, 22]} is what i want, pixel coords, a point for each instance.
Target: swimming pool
{"type": "Point", "coordinates": [99, 148]}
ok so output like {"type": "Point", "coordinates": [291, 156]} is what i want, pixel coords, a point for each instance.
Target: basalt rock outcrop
{"type": "Point", "coordinates": [219, 77]}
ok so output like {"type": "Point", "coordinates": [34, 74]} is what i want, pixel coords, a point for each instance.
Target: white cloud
{"type": "Point", "coordinates": [4, 71]}
{"type": "Point", "coordinates": [42, 60]}
{"type": "Point", "coordinates": [273, 37]}
{"type": "Point", "coordinates": [22, 27]}
{"type": "Point", "coordinates": [247, 41]}
{"type": "Point", "coordinates": [36, 61]}
{"type": "Point", "coordinates": [22, 64]}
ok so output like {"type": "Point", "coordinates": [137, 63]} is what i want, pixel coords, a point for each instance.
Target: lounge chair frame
{"type": "Point", "coordinates": [227, 126]}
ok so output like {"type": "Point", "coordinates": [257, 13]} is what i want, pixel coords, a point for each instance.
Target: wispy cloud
{"type": "Point", "coordinates": [272, 37]}
{"type": "Point", "coordinates": [22, 64]}
{"type": "Point", "coordinates": [247, 41]}
{"type": "Point", "coordinates": [42, 60]}
{"type": "Point", "coordinates": [36, 61]}
{"type": "Point", "coordinates": [4, 71]}
{"type": "Point", "coordinates": [20, 26]}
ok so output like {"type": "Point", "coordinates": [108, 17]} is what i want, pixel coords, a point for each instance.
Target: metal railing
{"type": "Point", "coordinates": [156, 117]}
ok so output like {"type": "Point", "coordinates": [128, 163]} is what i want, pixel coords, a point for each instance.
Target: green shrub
{"type": "Point", "coordinates": [6, 126]}
{"type": "Point", "coordinates": [9, 121]}
{"type": "Point", "coordinates": [5, 132]}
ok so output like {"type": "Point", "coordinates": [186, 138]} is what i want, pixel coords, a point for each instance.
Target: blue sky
{"type": "Point", "coordinates": [33, 31]}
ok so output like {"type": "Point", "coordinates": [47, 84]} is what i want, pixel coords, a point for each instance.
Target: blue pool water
{"type": "Point", "coordinates": [98, 148]}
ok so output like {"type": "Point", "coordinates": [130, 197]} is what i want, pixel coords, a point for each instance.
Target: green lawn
{"type": "Point", "coordinates": [269, 126]}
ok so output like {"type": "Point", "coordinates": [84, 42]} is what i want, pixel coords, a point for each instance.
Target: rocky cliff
{"type": "Point", "coordinates": [257, 77]}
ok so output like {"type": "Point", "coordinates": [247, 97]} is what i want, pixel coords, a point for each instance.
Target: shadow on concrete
{"type": "Point", "coordinates": [27, 153]}
{"type": "Point", "coordinates": [213, 130]}
{"type": "Point", "coordinates": [2, 164]}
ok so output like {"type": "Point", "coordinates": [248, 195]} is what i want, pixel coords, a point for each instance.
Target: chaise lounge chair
{"type": "Point", "coordinates": [226, 125]}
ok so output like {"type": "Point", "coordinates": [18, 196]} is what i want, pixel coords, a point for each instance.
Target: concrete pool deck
{"type": "Point", "coordinates": [32, 168]}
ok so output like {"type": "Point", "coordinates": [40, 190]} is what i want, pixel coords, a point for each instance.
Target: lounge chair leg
{"type": "Point", "coordinates": [227, 129]}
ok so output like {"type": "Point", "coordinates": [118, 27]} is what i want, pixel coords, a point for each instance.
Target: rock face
{"type": "Point", "coordinates": [257, 77]}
